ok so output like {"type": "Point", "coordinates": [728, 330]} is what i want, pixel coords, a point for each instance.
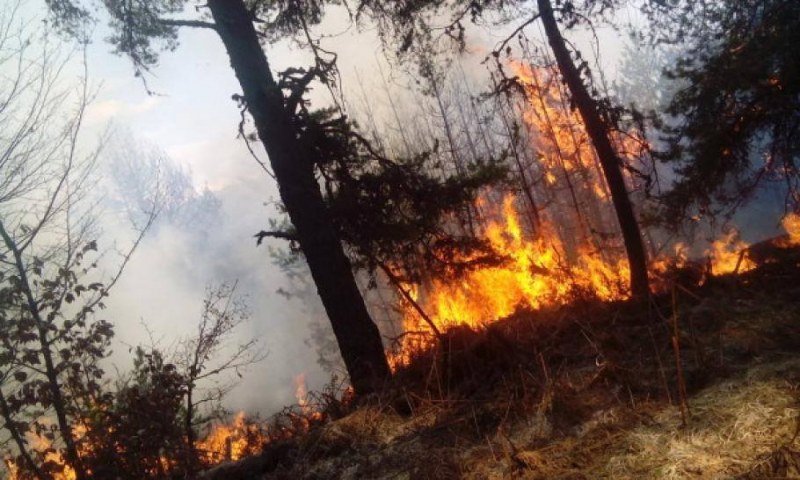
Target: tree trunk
{"type": "Point", "coordinates": [191, 448]}
{"type": "Point", "coordinates": [358, 337]}
{"type": "Point", "coordinates": [609, 160]}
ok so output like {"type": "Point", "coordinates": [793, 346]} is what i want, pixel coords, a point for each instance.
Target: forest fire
{"type": "Point", "coordinates": [44, 446]}
{"type": "Point", "coordinates": [232, 441]}
{"type": "Point", "coordinates": [791, 223]}
{"type": "Point", "coordinates": [225, 442]}
{"type": "Point", "coordinates": [573, 247]}
{"type": "Point", "coordinates": [301, 392]}
{"type": "Point", "coordinates": [564, 145]}
{"type": "Point", "coordinates": [308, 412]}
{"type": "Point", "coordinates": [567, 248]}
{"type": "Point", "coordinates": [536, 273]}
{"type": "Point", "coordinates": [728, 254]}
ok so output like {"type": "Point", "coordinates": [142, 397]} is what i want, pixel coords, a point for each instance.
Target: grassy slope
{"type": "Point", "coordinates": [586, 391]}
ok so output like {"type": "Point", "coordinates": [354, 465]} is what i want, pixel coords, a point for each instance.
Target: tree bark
{"type": "Point", "coordinates": [358, 337]}
{"type": "Point", "coordinates": [610, 162]}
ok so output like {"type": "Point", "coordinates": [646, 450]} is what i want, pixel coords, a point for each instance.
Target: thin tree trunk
{"type": "Point", "coordinates": [191, 449]}
{"type": "Point", "coordinates": [409, 151]}
{"type": "Point", "coordinates": [59, 404]}
{"type": "Point", "coordinates": [598, 132]}
{"type": "Point", "coordinates": [550, 131]}
{"type": "Point", "coordinates": [454, 155]}
{"type": "Point", "coordinates": [527, 187]}
{"type": "Point", "coordinates": [358, 337]}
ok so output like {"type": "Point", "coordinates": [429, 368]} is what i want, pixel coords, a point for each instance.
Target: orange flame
{"type": "Point", "coordinates": [729, 255]}
{"type": "Point", "coordinates": [560, 136]}
{"type": "Point", "coordinates": [42, 444]}
{"type": "Point", "coordinates": [301, 393]}
{"type": "Point", "coordinates": [309, 412]}
{"type": "Point", "coordinates": [535, 273]}
{"type": "Point", "coordinates": [572, 250]}
{"type": "Point", "coordinates": [791, 223]}
{"type": "Point", "coordinates": [579, 254]}
{"type": "Point", "coordinates": [232, 441]}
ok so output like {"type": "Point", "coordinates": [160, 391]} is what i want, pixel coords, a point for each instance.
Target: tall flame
{"type": "Point", "coordinates": [560, 136]}
{"type": "Point", "coordinates": [534, 273]}
{"type": "Point", "coordinates": [573, 247]}
{"type": "Point", "coordinates": [301, 393]}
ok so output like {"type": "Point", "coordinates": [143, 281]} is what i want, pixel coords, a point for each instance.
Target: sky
{"type": "Point", "coordinates": [192, 119]}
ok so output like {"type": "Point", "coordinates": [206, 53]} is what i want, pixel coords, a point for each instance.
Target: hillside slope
{"type": "Point", "coordinates": [587, 391]}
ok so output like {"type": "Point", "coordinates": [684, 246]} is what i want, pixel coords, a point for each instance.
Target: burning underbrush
{"type": "Point", "coordinates": [699, 382]}
{"type": "Point", "coordinates": [540, 272]}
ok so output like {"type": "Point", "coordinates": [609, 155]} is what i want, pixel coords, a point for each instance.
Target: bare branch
{"type": "Point", "coordinates": [260, 236]}
{"type": "Point", "coordinates": [187, 23]}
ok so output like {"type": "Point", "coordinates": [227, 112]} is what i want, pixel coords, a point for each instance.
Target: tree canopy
{"type": "Point", "coordinates": [735, 122]}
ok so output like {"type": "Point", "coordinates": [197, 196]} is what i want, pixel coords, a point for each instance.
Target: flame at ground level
{"type": "Point", "coordinates": [729, 255]}
{"type": "Point", "coordinates": [537, 273]}
{"type": "Point", "coordinates": [791, 223]}
{"type": "Point", "coordinates": [232, 441]}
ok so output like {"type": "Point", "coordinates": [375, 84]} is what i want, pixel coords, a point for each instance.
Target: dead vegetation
{"type": "Point", "coordinates": [592, 390]}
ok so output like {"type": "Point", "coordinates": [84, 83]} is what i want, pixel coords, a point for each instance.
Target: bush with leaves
{"type": "Point", "coordinates": [137, 431]}
{"type": "Point", "coordinates": [148, 426]}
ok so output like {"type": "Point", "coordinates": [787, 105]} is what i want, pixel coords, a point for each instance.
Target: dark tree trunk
{"type": "Point", "coordinates": [358, 337]}
{"type": "Point", "coordinates": [598, 132]}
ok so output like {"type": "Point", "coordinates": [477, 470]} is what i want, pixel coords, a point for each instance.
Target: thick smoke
{"type": "Point", "coordinates": [204, 237]}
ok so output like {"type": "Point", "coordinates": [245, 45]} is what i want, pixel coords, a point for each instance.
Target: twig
{"type": "Point", "coordinates": [396, 282]}
{"type": "Point", "coordinates": [292, 237]}
{"type": "Point", "coordinates": [660, 366]}
{"type": "Point", "coordinates": [682, 397]}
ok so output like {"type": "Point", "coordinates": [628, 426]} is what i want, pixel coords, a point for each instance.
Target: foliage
{"type": "Point", "coordinates": [51, 288]}
{"type": "Point", "coordinates": [735, 123]}
{"type": "Point", "coordinates": [393, 212]}
{"type": "Point", "coordinates": [207, 355]}
{"type": "Point", "coordinates": [137, 431]}
{"type": "Point", "coordinates": [147, 427]}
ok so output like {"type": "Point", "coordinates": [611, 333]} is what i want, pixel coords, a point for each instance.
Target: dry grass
{"type": "Point", "coordinates": [588, 392]}
{"type": "Point", "coordinates": [733, 424]}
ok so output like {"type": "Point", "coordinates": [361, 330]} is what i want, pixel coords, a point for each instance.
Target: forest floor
{"type": "Point", "coordinates": [591, 390]}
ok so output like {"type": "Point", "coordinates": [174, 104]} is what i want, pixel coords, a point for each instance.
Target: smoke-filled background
{"type": "Point", "coordinates": [180, 139]}
{"type": "Point", "coordinates": [174, 137]}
